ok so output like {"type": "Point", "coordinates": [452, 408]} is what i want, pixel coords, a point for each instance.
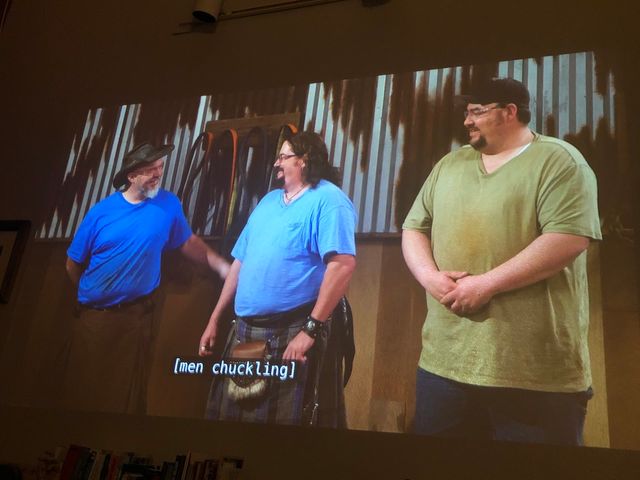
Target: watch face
{"type": "Point", "coordinates": [311, 325]}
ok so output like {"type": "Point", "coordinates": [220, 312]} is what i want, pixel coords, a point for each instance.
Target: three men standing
{"type": "Point", "coordinates": [497, 237]}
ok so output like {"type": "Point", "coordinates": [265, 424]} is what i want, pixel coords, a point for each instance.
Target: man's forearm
{"type": "Point", "coordinates": [228, 290]}
{"type": "Point", "coordinates": [416, 249]}
{"type": "Point", "coordinates": [199, 252]}
{"type": "Point", "coordinates": [544, 257]}
{"type": "Point", "coordinates": [334, 285]}
{"type": "Point", "coordinates": [541, 259]}
{"type": "Point", "coordinates": [217, 263]}
{"type": "Point", "coordinates": [208, 338]}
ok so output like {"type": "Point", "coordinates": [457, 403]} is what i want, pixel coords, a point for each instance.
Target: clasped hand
{"type": "Point", "coordinates": [460, 292]}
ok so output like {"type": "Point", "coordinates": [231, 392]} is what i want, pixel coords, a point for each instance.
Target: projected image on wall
{"type": "Point", "coordinates": [328, 325]}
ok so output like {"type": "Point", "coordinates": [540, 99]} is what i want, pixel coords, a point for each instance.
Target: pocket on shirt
{"type": "Point", "coordinates": [291, 239]}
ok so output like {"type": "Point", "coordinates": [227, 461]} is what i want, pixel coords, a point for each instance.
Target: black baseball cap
{"type": "Point", "coordinates": [499, 90]}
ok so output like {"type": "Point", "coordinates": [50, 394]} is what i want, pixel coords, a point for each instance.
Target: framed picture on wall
{"type": "Point", "coordinates": [4, 11]}
{"type": "Point", "coordinates": [13, 238]}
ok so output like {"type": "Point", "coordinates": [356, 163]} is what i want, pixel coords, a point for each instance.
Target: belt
{"type": "Point", "coordinates": [145, 299]}
{"type": "Point", "coordinates": [278, 319]}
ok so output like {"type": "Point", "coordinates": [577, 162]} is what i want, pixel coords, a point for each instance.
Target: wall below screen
{"type": "Point", "coordinates": [284, 453]}
{"type": "Point", "coordinates": [388, 306]}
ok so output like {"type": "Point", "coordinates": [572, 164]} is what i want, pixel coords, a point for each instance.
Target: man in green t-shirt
{"type": "Point", "coordinates": [497, 236]}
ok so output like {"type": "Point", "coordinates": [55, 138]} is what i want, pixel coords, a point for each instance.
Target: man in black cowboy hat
{"type": "Point", "coordinates": [497, 237]}
{"type": "Point", "coordinates": [115, 260]}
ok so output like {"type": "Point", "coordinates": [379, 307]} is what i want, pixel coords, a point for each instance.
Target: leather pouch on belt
{"type": "Point", "coordinates": [241, 388]}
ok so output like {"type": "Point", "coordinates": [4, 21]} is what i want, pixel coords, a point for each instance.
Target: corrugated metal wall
{"type": "Point", "coordinates": [564, 100]}
{"type": "Point", "coordinates": [385, 132]}
{"type": "Point", "coordinates": [98, 186]}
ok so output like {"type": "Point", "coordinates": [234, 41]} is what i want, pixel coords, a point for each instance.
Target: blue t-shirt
{"type": "Point", "coordinates": [283, 248]}
{"type": "Point", "coordinates": [123, 244]}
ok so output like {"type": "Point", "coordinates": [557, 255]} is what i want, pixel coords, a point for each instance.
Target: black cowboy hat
{"type": "Point", "coordinates": [141, 154]}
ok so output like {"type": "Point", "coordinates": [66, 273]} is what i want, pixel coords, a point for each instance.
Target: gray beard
{"type": "Point", "coordinates": [151, 193]}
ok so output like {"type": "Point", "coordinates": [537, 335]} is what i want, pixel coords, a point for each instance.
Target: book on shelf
{"type": "Point", "coordinates": [230, 468]}
{"type": "Point", "coordinates": [201, 466]}
{"type": "Point", "coordinates": [78, 462]}
{"type": "Point", "coordinates": [74, 462]}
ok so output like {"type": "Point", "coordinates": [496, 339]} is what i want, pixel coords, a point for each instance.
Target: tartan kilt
{"type": "Point", "coordinates": [284, 402]}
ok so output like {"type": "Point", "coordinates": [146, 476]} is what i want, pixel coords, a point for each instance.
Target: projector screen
{"type": "Point", "coordinates": [384, 133]}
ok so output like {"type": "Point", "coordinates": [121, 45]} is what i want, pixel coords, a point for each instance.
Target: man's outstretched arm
{"type": "Point", "coordinates": [199, 252]}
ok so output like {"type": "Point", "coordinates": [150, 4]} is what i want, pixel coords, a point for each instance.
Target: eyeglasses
{"type": "Point", "coordinates": [479, 111]}
{"type": "Point", "coordinates": [284, 156]}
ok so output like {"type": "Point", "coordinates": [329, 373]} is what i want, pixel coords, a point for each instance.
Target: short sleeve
{"type": "Point", "coordinates": [81, 244]}
{"type": "Point", "coordinates": [240, 248]}
{"type": "Point", "coordinates": [180, 229]}
{"type": "Point", "coordinates": [336, 232]}
{"type": "Point", "coordinates": [420, 216]}
{"type": "Point", "coordinates": [567, 202]}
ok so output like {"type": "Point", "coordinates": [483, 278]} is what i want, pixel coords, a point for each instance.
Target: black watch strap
{"type": "Point", "coordinates": [313, 327]}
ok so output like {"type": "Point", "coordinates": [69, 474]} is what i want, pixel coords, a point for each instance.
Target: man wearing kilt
{"type": "Point", "coordinates": [292, 264]}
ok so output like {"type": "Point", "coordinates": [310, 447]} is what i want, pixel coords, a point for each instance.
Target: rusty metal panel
{"type": "Point", "coordinates": [563, 87]}
{"type": "Point", "coordinates": [384, 132]}
{"type": "Point", "coordinates": [563, 101]}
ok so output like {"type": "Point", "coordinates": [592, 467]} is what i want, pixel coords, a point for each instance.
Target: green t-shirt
{"type": "Point", "coordinates": [533, 337]}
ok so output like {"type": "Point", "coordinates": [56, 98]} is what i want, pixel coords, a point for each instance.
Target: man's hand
{"type": "Point", "coordinates": [298, 347]}
{"type": "Point", "coordinates": [199, 252]}
{"type": "Point", "coordinates": [218, 264]}
{"type": "Point", "coordinates": [439, 284]}
{"type": "Point", "coordinates": [208, 338]}
{"type": "Point", "coordinates": [470, 294]}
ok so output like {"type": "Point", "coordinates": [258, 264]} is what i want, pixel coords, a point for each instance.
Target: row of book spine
{"type": "Point", "coordinates": [84, 463]}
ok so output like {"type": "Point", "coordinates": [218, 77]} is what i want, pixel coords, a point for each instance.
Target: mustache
{"type": "Point", "coordinates": [275, 181]}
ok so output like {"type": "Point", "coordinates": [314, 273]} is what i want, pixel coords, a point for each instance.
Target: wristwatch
{"type": "Point", "coordinates": [313, 327]}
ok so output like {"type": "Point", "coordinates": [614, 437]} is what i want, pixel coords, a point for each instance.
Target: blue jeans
{"type": "Point", "coordinates": [448, 408]}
